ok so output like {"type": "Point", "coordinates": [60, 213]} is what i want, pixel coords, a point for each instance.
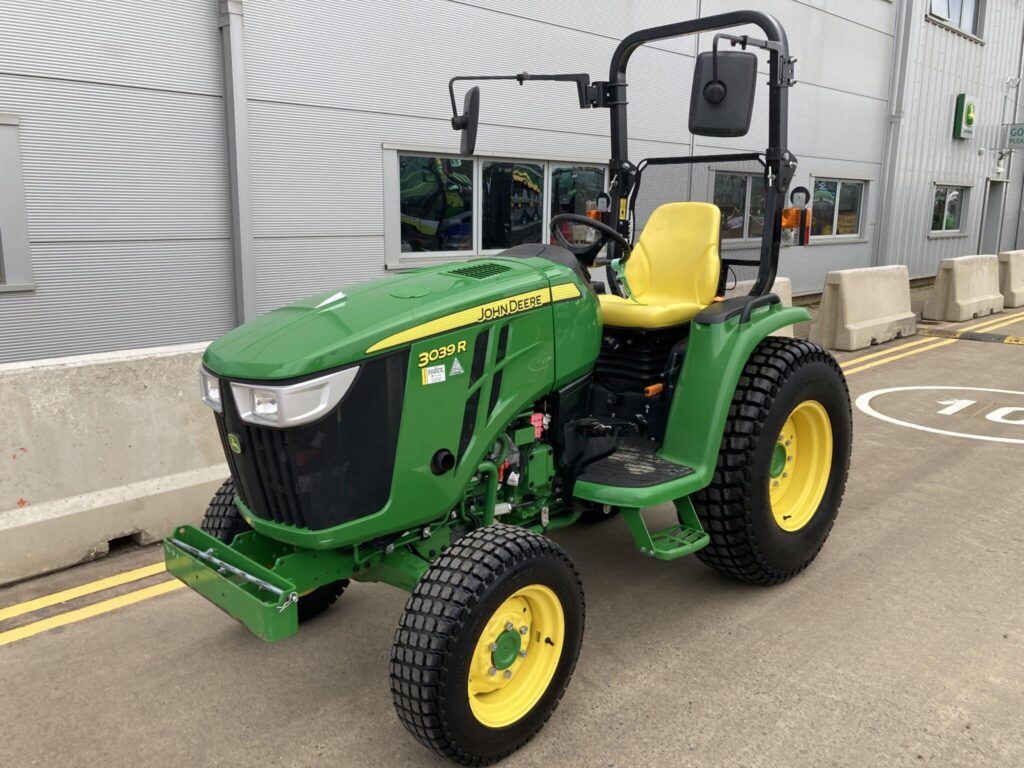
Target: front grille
{"type": "Point", "coordinates": [337, 469]}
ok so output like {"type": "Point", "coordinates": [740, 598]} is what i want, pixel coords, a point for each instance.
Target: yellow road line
{"type": "Point", "coordinates": [80, 591]}
{"type": "Point", "coordinates": [894, 358]}
{"type": "Point", "coordinates": [858, 360]}
{"type": "Point", "coordinates": [992, 323]}
{"type": "Point", "coordinates": [63, 619]}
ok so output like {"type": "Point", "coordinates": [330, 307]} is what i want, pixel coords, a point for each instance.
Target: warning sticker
{"type": "Point", "coordinates": [456, 368]}
{"type": "Point", "coordinates": [433, 375]}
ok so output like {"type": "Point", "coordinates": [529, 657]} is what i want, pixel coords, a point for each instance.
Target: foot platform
{"type": "Point", "coordinates": [672, 542]}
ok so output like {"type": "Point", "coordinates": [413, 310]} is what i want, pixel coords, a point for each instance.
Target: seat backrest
{"type": "Point", "coordinates": [676, 259]}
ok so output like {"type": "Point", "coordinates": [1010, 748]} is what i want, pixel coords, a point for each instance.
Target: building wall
{"type": "Point", "coordinates": [942, 63]}
{"type": "Point", "coordinates": [121, 136]}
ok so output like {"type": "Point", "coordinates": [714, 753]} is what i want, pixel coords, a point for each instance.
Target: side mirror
{"type": "Point", "coordinates": [468, 121]}
{"type": "Point", "coordinates": [722, 100]}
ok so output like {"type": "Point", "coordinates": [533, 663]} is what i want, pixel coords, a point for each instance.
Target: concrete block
{"type": "Point", "coordinates": [1011, 278]}
{"type": "Point", "coordinates": [861, 307]}
{"type": "Point", "coordinates": [783, 288]}
{"type": "Point", "coordinates": [99, 447]}
{"type": "Point", "coordinates": [965, 288]}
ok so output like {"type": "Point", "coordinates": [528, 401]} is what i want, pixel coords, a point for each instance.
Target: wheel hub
{"type": "Point", "coordinates": [506, 650]}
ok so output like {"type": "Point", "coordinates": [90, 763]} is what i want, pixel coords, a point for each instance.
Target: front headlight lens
{"type": "Point", "coordinates": [209, 389]}
{"type": "Point", "coordinates": [264, 403]}
{"type": "Point", "coordinates": [291, 405]}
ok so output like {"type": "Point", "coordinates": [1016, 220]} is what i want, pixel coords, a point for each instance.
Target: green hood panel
{"type": "Point", "coordinates": [337, 328]}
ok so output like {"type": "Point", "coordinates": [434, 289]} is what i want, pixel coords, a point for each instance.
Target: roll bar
{"type": "Point", "coordinates": [780, 164]}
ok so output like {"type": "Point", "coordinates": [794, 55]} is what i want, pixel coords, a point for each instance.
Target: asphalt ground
{"type": "Point", "coordinates": [902, 645]}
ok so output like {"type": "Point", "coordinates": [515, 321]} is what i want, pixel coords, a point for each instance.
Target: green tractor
{"type": "Point", "coordinates": [428, 429]}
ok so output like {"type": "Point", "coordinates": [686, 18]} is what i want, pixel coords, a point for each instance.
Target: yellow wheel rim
{"type": "Point", "coordinates": [516, 656]}
{"type": "Point", "coordinates": [801, 465]}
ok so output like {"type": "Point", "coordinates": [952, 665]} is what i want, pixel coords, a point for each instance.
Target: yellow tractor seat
{"type": "Point", "coordinates": [672, 272]}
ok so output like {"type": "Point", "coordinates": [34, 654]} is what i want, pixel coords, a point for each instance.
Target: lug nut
{"type": "Point", "coordinates": [508, 673]}
{"type": "Point", "coordinates": [493, 646]}
{"type": "Point", "coordinates": [775, 484]}
{"type": "Point", "coordinates": [492, 671]}
{"type": "Point", "coordinates": [510, 625]}
{"type": "Point", "coordinates": [522, 630]}
{"type": "Point", "coordinates": [522, 654]}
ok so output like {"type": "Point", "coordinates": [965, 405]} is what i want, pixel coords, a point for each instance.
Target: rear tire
{"type": "Point", "coordinates": [223, 521]}
{"type": "Point", "coordinates": [757, 535]}
{"type": "Point", "coordinates": [466, 681]}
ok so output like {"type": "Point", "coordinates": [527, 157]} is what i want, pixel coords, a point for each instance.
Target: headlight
{"type": "Point", "coordinates": [294, 404]}
{"type": "Point", "coordinates": [209, 390]}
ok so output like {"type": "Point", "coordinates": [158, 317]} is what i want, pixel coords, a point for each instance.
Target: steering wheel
{"type": "Point", "coordinates": [587, 253]}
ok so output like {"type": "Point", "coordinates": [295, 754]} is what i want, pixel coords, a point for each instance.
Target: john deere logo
{"type": "Point", "coordinates": [969, 115]}
{"type": "Point", "coordinates": [234, 443]}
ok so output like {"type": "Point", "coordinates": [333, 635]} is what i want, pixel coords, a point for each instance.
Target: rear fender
{"type": "Point", "coordinates": [721, 342]}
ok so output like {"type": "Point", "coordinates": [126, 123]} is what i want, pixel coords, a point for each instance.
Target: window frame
{"type": "Point", "coordinates": [747, 240]}
{"type": "Point", "coordinates": [975, 33]}
{"type": "Point", "coordinates": [396, 259]}
{"type": "Point", "coordinates": [859, 235]}
{"type": "Point", "coordinates": [15, 249]}
{"type": "Point", "coordinates": [965, 201]}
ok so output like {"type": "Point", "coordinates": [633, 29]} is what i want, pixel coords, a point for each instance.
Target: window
{"type": "Point", "coordinates": [574, 189]}
{"type": "Point", "coordinates": [741, 198]}
{"type": "Point", "coordinates": [15, 264]}
{"type": "Point", "coordinates": [836, 208]}
{"type": "Point", "coordinates": [513, 204]}
{"type": "Point", "coordinates": [444, 206]}
{"type": "Point", "coordinates": [436, 203]}
{"type": "Point", "coordinates": [962, 14]}
{"type": "Point", "coordinates": [948, 208]}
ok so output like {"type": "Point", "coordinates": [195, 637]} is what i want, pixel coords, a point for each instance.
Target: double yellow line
{"type": "Point", "coordinates": [916, 347]}
{"type": "Point", "coordinates": [78, 614]}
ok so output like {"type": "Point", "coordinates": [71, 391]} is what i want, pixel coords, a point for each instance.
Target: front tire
{"type": "Point", "coordinates": [223, 521]}
{"type": "Point", "coordinates": [466, 680]}
{"type": "Point", "coordinates": [782, 466]}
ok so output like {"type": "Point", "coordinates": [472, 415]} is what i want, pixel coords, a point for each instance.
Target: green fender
{"type": "Point", "coordinates": [714, 361]}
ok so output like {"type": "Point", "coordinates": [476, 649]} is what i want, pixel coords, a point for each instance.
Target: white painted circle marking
{"type": "Point", "coordinates": [864, 404]}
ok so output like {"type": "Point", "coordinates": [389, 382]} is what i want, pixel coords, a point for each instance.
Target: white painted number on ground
{"type": "Point", "coordinates": [954, 406]}
{"type": "Point", "coordinates": [996, 411]}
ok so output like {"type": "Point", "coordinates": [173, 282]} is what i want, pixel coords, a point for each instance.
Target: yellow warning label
{"type": "Point", "coordinates": [622, 209]}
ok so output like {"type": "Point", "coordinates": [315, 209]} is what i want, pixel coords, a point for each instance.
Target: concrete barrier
{"type": "Point", "coordinates": [861, 307]}
{"type": "Point", "coordinates": [783, 288]}
{"type": "Point", "coordinates": [98, 448]}
{"type": "Point", "coordinates": [965, 288]}
{"type": "Point", "coordinates": [1011, 278]}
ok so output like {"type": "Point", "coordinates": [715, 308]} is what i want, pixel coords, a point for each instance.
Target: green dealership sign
{"type": "Point", "coordinates": [966, 116]}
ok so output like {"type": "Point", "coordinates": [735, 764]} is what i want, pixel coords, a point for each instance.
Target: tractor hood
{"type": "Point", "coordinates": [340, 327]}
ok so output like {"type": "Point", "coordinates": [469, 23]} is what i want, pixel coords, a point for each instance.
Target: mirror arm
{"type": "Point", "coordinates": [596, 94]}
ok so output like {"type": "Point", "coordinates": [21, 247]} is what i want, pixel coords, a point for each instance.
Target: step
{"type": "Point", "coordinates": [670, 543]}
{"type": "Point", "coordinates": [635, 476]}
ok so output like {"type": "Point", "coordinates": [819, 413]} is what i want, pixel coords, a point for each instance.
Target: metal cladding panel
{"type": "Point", "coordinates": [104, 296]}
{"type": "Point", "coordinates": [169, 45]}
{"type": "Point", "coordinates": [424, 43]}
{"type": "Point", "coordinates": [943, 64]}
{"type": "Point", "coordinates": [293, 268]}
{"type": "Point", "coordinates": [111, 163]}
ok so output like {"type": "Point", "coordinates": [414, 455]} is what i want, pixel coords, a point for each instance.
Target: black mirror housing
{"type": "Point", "coordinates": [722, 100]}
{"type": "Point", "coordinates": [468, 121]}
